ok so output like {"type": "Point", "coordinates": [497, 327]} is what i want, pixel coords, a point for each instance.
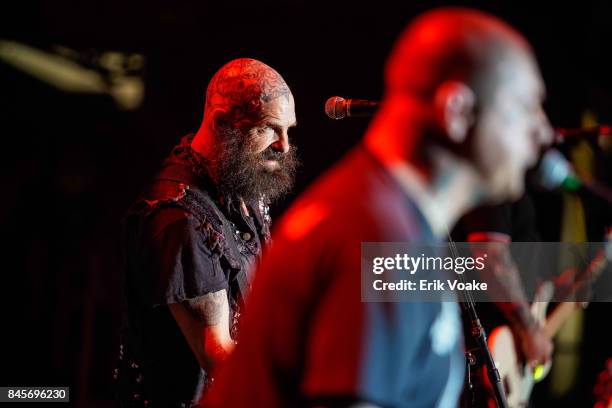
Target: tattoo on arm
{"type": "Point", "coordinates": [204, 322]}
{"type": "Point", "coordinates": [208, 309]}
{"type": "Point", "coordinates": [519, 315]}
{"type": "Point", "coordinates": [506, 278]}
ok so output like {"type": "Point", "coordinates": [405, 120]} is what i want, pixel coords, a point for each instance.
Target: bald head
{"type": "Point", "coordinates": [244, 136]}
{"type": "Point", "coordinates": [238, 91]}
{"type": "Point", "coordinates": [465, 82]}
{"type": "Point", "coordinates": [453, 44]}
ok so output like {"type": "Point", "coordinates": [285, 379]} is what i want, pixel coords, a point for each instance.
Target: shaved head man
{"type": "Point", "coordinates": [460, 122]}
{"type": "Point", "coordinates": [193, 236]}
{"type": "Point", "coordinates": [476, 82]}
{"type": "Point", "coordinates": [244, 134]}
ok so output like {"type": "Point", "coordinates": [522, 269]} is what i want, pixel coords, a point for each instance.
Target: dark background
{"type": "Point", "coordinates": [72, 163]}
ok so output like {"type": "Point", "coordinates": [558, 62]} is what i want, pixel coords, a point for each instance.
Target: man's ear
{"type": "Point", "coordinates": [454, 104]}
{"type": "Point", "coordinates": [218, 118]}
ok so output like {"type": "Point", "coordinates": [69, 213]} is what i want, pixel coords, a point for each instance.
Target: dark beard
{"type": "Point", "coordinates": [240, 173]}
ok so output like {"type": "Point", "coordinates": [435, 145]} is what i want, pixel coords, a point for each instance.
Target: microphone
{"type": "Point", "coordinates": [556, 172]}
{"type": "Point", "coordinates": [337, 107]}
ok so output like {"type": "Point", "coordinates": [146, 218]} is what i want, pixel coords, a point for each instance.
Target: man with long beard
{"type": "Point", "coordinates": [192, 237]}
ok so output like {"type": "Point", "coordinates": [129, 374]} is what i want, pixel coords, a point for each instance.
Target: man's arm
{"type": "Point", "coordinates": [501, 272]}
{"type": "Point", "coordinates": [204, 322]}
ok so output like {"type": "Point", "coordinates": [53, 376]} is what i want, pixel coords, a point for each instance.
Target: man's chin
{"type": "Point", "coordinates": [513, 191]}
{"type": "Point", "coordinates": [503, 192]}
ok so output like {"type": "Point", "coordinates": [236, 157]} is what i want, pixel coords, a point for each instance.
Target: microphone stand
{"type": "Point", "coordinates": [480, 337]}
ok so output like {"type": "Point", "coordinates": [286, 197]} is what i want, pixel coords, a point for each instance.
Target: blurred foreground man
{"type": "Point", "coordinates": [460, 122]}
{"type": "Point", "coordinates": [193, 235]}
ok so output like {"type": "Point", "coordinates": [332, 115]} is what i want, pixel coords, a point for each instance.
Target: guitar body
{"type": "Point", "coordinates": [516, 376]}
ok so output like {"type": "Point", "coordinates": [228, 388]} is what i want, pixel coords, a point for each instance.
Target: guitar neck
{"type": "Point", "coordinates": [558, 316]}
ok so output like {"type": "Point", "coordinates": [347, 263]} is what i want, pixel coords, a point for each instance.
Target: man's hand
{"type": "Point", "coordinates": [536, 346]}
{"type": "Point", "coordinates": [532, 342]}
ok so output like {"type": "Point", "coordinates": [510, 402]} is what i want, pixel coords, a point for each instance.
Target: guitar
{"type": "Point", "coordinates": [517, 377]}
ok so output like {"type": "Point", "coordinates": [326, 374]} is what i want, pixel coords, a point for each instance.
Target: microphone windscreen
{"type": "Point", "coordinates": [335, 107]}
{"type": "Point", "coordinates": [554, 170]}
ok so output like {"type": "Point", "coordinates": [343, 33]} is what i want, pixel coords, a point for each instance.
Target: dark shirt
{"type": "Point", "coordinates": [515, 220]}
{"type": "Point", "coordinates": [182, 240]}
{"type": "Point", "coordinates": [307, 337]}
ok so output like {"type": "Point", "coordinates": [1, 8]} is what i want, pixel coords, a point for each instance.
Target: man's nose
{"type": "Point", "coordinates": [282, 143]}
{"type": "Point", "coordinates": [545, 132]}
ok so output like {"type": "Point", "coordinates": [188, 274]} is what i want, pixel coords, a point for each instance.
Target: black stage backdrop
{"type": "Point", "coordinates": [72, 163]}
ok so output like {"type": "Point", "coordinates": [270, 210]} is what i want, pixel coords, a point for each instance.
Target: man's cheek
{"type": "Point", "coordinates": [521, 147]}
{"type": "Point", "coordinates": [492, 151]}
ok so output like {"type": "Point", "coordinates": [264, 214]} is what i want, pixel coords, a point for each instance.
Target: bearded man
{"type": "Point", "coordinates": [193, 236]}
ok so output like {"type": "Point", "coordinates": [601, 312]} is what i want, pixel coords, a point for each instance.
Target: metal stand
{"type": "Point", "coordinates": [469, 395]}
{"type": "Point", "coordinates": [480, 337]}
